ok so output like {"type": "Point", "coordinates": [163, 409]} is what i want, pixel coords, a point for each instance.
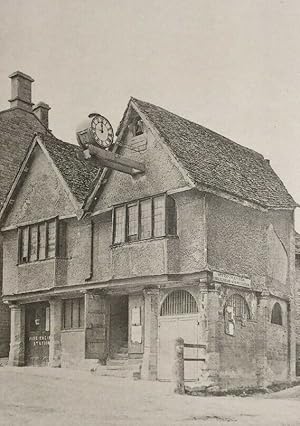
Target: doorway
{"type": "Point", "coordinates": [118, 330]}
{"type": "Point", "coordinates": [37, 334]}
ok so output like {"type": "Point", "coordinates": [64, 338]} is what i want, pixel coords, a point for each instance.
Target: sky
{"type": "Point", "coordinates": [230, 65]}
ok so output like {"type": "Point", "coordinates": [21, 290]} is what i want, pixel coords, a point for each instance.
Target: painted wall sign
{"type": "Point", "coordinates": [136, 316]}
{"type": "Point", "coordinates": [222, 277]}
{"type": "Point", "coordinates": [136, 334]}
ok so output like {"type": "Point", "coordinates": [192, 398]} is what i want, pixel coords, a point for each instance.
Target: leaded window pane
{"type": "Point", "coordinates": [119, 225]}
{"type": "Point", "coordinates": [158, 216]}
{"type": "Point", "coordinates": [132, 214]}
{"type": "Point", "coordinates": [51, 239]}
{"type": "Point", "coordinates": [146, 219]}
{"type": "Point", "coordinates": [33, 246]}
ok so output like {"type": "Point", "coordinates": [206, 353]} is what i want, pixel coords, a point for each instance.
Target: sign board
{"type": "Point", "coordinates": [136, 316]}
{"type": "Point", "coordinates": [222, 277]}
{"type": "Point", "coordinates": [136, 334]}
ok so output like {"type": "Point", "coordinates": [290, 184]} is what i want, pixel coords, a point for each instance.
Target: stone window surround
{"type": "Point", "coordinates": [168, 217]}
{"type": "Point", "coordinates": [27, 258]}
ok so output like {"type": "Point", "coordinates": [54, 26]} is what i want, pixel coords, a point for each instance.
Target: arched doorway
{"type": "Point", "coordinates": [179, 317]}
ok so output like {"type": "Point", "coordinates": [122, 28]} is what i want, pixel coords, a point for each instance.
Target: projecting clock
{"type": "Point", "coordinates": [101, 130]}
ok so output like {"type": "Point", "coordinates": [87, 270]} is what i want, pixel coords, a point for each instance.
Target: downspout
{"type": "Point", "coordinates": [90, 276]}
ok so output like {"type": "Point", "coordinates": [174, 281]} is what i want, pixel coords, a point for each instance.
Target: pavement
{"type": "Point", "coordinates": [44, 396]}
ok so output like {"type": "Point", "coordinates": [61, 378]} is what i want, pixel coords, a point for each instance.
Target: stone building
{"type": "Point", "coordinates": [18, 125]}
{"type": "Point", "coordinates": [297, 297]}
{"type": "Point", "coordinates": [104, 265]}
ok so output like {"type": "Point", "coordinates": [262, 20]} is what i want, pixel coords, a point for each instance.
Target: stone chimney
{"type": "Point", "coordinates": [41, 110]}
{"type": "Point", "coordinates": [21, 90]}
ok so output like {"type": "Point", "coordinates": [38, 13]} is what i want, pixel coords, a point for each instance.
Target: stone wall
{"type": "Point", "coordinates": [297, 293]}
{"type": "Point", "coordinates": [4, 315]}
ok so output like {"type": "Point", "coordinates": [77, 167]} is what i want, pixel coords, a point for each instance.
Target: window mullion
{"type": "Point", "coordinates": [46, 240]}
{"type": "Point", "coordinates": [138, 221]}
{"type": "Point", "coordinates": [38, 242]}
{"type": "Point", "coordinates": [56, 237]}
{"type": "Point", "coordinates": [114, 225]}
{"type": "Point", "coordinates": [165, 215]}
{"type": "Point", "coordinates": [152, 218]}
{"type": "Point", "coordinates": [28, 242]}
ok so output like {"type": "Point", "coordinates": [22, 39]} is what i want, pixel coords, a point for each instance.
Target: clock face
{"type": "Point", "coordinates": [102, 131]}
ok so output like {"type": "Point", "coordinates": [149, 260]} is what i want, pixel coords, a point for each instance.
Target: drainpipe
{"type": "Point", "coordinates": [90, 276]}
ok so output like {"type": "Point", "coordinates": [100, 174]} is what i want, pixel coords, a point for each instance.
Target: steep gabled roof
{"type": "Point", "coordinates": [215, 161]}
{"type": "Point", "coordinates": [78, 173]}
{"type": "Point", "coordinates": [17, 128]}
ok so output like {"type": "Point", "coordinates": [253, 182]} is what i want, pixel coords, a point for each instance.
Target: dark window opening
{"type": "Point", "coordinates": [238, 307]}
{"type": "Point", "coordinates": [73, 313]}
{"type": "Point", "coordinates": [276, 317]}
{"type": "Point", "coordinates": [138, 128]}
{"type": "Point", "coordinates": [179, 302]}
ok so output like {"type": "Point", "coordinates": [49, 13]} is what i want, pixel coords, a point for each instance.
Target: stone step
{"type": "Point", "coordinates": [120, 355]}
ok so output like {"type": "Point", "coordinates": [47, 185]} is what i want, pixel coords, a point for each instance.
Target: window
{"type": "Point", "coordinates": [239, 307]}
{"type": "Point", "coordinates": [73, 313]}
{"type": "Point", "coordinates": [158, 216]}
{"type": "Point", "coordinates": [146, 219]}
{"type": "Point", "coordinates": [38, 241]}
{"type": "Point", "coordinates": [119, 231]}
{"type": "Point", "coordinates": [149, 218]}
{"type": "Point", "coordinates": [276, 317]}
{"type": "Point", "coordinates": [138, 128]}
{"type": "Point", "coordinates": [179, 302]}
{"type": "Point", "coordinates": [132, 222]}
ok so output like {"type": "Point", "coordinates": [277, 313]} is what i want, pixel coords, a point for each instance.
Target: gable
{"type": "Point", "coordinates": [162, 172]}
{"type": "Point", "coordinates": [214, 162]}
{"type": "Point", "coordinates": [40, 194]}
{"type": "Point", "coordinates": [277, 257]}
{"type": "Point", "coordinates": [17, 128]}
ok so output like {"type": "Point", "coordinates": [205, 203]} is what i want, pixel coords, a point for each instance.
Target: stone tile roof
{"type": "Point", "coordinates": [217, 162]}
{"type": "Point", "coordinates": [79, 174]}
{"type": "Point", "coordinates": [17, 128]}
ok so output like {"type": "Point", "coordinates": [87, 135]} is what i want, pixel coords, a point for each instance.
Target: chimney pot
{"type": "Point", "coordinates": [21, 90]}
{"type": "Point", "coordinates": [41, 111]}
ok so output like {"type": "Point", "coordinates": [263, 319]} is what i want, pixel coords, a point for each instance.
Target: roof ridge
{"type": "Point", "coordinates": [206, 129]}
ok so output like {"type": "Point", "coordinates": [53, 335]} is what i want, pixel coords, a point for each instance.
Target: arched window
{"type": "Point", "coordinates": [239, 307]}
{"type": "Point", "coordinates": [179, 302]}
{"type": "Point", "coordinates": [276, 317]}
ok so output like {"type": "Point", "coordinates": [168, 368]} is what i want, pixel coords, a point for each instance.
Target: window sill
{"type": "Point", "coordinates": [277, 325]}
{"type": "Point", "coordinates": [71, 330]}
{"type": "Point", "coordinates": [129, 243]}
{"type": "Point", "coordinates": [34, 262]}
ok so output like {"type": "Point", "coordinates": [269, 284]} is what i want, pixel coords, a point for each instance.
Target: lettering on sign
{"type": "Point", "coordinates": [222, 277]}
{"type": "Point", "coordinates": [39, 340]}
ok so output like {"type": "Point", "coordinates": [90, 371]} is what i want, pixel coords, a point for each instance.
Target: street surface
{"type": "Point", "coordinates": [44, 396]}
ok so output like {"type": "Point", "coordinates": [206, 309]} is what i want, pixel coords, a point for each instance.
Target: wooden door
{"type": "Point", "coordinates": [37, 323]}
{"type": "Point", "coordinates": [170, 328]}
